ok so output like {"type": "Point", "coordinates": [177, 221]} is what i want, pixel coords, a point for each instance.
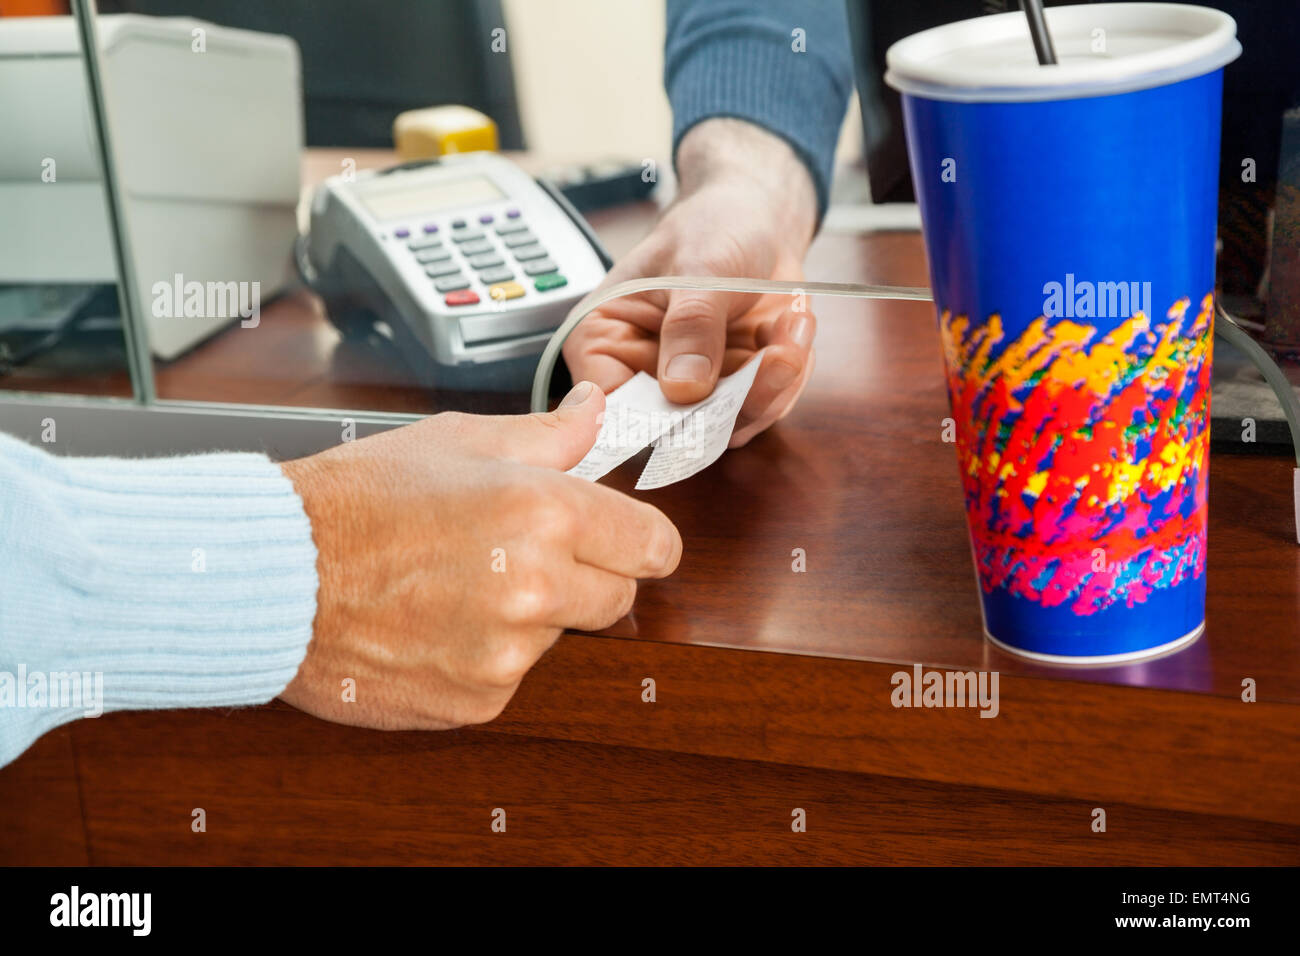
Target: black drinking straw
{"type": "Point", "coordinates": [1038, 30]}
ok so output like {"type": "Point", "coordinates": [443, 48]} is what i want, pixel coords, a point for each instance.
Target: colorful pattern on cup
{"type": "Point", "coordinates": [1082, 453]}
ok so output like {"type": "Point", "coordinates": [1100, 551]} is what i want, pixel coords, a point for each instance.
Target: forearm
{"type": "Point", "coordinates": [183, 582]}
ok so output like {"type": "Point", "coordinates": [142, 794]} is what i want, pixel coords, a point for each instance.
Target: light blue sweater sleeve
{"type": "Point", "coordinates": [146, 583]}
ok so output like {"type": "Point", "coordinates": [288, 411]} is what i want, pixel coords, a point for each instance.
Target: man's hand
{"type": "Point", "coordinates": [452, 552]}
{"type": "Point", "coordinates": [746, 208]}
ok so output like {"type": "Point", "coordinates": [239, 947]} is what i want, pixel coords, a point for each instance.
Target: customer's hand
{"type": "Point", "coordinates": [451, 554]}
{"type": "Point", "coordinates": [747, 208]}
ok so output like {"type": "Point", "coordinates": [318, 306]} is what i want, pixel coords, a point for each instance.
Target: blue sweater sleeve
{"type": "Point", "coordinates": [746, 59]}
{"type": "Point", "coordinates": [150, 583]}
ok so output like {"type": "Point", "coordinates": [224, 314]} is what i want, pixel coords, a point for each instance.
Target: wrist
{"type": "Point", "coordinates": [312, 482]}
{"type": "Point", "coordinates": [735, 154]}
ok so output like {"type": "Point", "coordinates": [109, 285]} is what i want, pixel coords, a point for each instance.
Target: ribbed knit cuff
{"type": "Point", "coordinates": [183, 582]}
{"type": "Point", "coordinates": [746, 69]}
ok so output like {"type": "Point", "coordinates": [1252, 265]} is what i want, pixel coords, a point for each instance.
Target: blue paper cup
{"type": "Point", "coordinates": [1069, 215]}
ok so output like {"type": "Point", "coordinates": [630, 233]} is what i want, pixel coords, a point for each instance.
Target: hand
{"type": "Point", "coordinates": [452, 552]}
{"type": "Point", "coordinates": [746, 208]}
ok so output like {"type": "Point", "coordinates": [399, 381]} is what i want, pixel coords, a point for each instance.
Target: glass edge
{"type": "Point", "coordinates": [279, 412]}
{"type": "Point", "coordinates": [139, 363]}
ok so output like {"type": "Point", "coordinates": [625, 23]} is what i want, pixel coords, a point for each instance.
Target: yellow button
{"type": "Point", "coordinates": [506, 290]}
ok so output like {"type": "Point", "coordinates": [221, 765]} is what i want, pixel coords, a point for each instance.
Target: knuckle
{"type": "Point", "coordinates": [528, 602]}
{"type": "Point", "coordinates": [783, 372]}
{"type": "Point", "coordinates": [532, 508]}
{"type": "Point", "coordinates": [692, 315]}
{"type": "Point", "coordinates": [513, 496]}
{"type": "Point", "coordinates": [545, 421]}
{"type": "Point", "coordinates": [552, 518]}
{"type": "Point", "coordinates": [508, 664]}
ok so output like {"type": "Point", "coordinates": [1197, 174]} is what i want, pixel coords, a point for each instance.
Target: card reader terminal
{"type": "Point", "coordinates": [466, 260]}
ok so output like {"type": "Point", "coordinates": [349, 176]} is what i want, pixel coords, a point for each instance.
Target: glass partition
{"type": "Point", "coordinates": [278, 250]}
{"type": "Point", "coordinates": [61, 329]}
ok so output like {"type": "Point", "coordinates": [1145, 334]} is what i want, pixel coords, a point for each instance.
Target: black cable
{"type": "Point", "coordinates": [99, 301]}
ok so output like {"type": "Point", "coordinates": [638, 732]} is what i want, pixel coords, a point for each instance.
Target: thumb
{"type": "Point", "coordinates": [692, 341]}
{"type": "Point", "coordinates": [557, 439]}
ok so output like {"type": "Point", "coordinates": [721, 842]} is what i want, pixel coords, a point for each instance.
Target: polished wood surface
{"type": "Point", "coordinates": [278, 790]}
{"type": "Point", "coordinates": [773, 687]}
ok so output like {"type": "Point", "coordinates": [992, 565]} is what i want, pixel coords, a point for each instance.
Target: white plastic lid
{"type": "Point", "coordinates": [1101, 48]}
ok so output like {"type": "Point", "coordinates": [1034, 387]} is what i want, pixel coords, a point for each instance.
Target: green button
{"type": "Point", "coordinates": [552, 281]}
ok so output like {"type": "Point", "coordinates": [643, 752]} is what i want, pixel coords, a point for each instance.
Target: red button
{"type": "Point", "coordinates": [463, 297]}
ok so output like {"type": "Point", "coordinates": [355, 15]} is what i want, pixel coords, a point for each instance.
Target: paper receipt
{"type": "Point", "coordinates": [686, 438]}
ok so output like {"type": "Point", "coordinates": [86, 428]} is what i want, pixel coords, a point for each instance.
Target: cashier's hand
{"type": "Point", "coordinates": [451, 554]}
{"type": "Point", "coordinates": [746, 208]}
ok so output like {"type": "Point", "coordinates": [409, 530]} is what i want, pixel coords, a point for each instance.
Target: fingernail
{"type": "Point", "coordinates": [577, 395]}
{"type": "Point", "coordinates": [781, 375]}
{"type": "Point", "coordinates": [689, 367]}
{"type": "Point", "coordinates": [801, 334]}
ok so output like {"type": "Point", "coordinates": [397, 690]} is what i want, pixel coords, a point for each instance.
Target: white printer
{"type": "Point", "coordinates": [206, 128]}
